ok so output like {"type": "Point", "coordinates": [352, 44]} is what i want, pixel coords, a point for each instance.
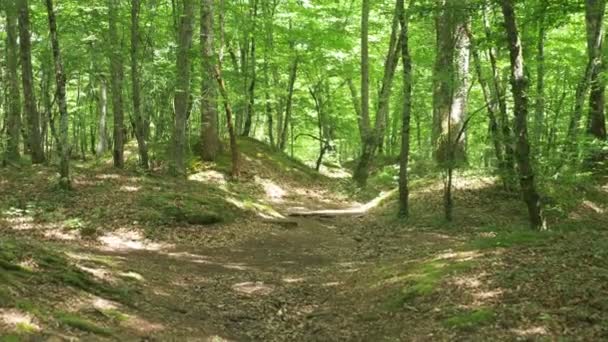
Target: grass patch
{"type": "Point", "coordinates": [512, 238]}
{"type": "Point", "coordinates": [470, 320]}
{"type": "Point", "coordinates": [423, 280]}
{"type": "Point", "coordinates": [168, 208]}
{"type": "Point", "coordinates": [83, 324]}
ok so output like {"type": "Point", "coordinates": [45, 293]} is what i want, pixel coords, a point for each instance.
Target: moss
{"type": "Point", "coordinates": [10, 338]}
{"type": "Point", "coordinates": [423, 280]}
{"type": "Point", "coordinates": [470, 319]}
{"type": "Point", "coordinates": [183, 208]}
{"type": "Point", "coordinates": [25, 328]}
{"type": "Point", "coordinates": [519, 237]}
{"type": "Point", "coordinates": [83, 324]}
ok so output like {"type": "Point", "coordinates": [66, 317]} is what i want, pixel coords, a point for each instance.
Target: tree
{"type": "Point", "coordinates": [406, 113]}
{"type": "Point", "coordinates": [182, 91]}
{"type": "Point", "coordinates": [27, 78]}
{"type": "Point", "coordinates": [519, 87]}
{"type": "Point", "coordinates": [117, 74]}
{"type": "Point", "coordinates": [210, 142]}
{"type": "Point", "coordinates": [140, 130]}
{"type": "Point", "coordinates": [63, 146]}
{"type": "Point", "coordinates": [13, 119]}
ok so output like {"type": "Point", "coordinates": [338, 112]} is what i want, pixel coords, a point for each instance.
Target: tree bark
{"type": "Point", "coordinates": [13, 119]}
{"type": "Point", "coordinates": [288, 106]}
{"type": "Point", "coordinates": [209, 136]}
{"type": "Point", "coordinates": [27, 78]}
{"type": "Point", "coordinates": [519, 86]}
{"type": "Point", "coordinates": [594, 16]}
{"type": "Point", "coordinates": [182, 90]}
{"type": "Point", "coordinates": [539, 114]}
{"type": "Point", "coordinates": [117, 74]}
{"type": "Point", "coordinates": [140, 126]}
{"type": "Point", "coordinates": [373, 138]}
{"type": "Point", "coordinates": [64, 149]}
{"type": "Point", "coordinates": [406, 114]}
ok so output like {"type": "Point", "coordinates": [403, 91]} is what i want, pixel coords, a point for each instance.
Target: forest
{"type": "Point", "coordinates": [295, 170]}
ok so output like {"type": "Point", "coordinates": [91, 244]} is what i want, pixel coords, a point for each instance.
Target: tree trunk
{"type": "Point", "coordinates": [519, 86]}
{"type": "Point", "coordinates": [407, 110]}
{"type": "Point", "coordinates": [594, 16]}
{"type": "Point", "coordinates": [182, 90]}
{"type": "Point", "coordinates": [102, 132]}
{"type": "Point", "coordinates": [33, 118]}
{"type": "Point", "coordinates": [209, 136]}
{"type": "Point", "coordinates": [451, 83]}
{"type": "Point", "coordinates": [251, 72]}
{"type": "Point", "coordinates": [64, 149]}
{"type": "Point", "coordinates": [539, 115]}
{"type": "Point", "coordinates": [140, 127]}
{"type": "Point", "coordinates": [13, 119]}
{"type": "Point", "coordinates": [117, 74]}
{"type": "Point", "coordinates": [288, 107]}
{"type": "Point", "coordinates": [373, 138]}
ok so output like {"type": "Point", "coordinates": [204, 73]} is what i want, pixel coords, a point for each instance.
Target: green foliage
{"type": "Point", "coordinates": [83, 324]}
{"type": "Point", "coordinates": [470, 320]}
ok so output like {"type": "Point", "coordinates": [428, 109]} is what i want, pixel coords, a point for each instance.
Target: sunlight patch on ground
{"type": "Point", "coordinates": [332, 284]}
{"type": "Point", "coordinates": [333, 172]}
{"type": "Point", "coordinates": [130, 188]}
{"type": "Point", "coordinates": [209, 177]}
{"type": "Point", "coordinates": [16, 319]}
{"type": "Point", "coordinates": [257, 288]}
{"type": "Point", "coordinates": [141, 325]}
{"type": "Point", "coordinates": [290, 280]}
{"type": "Point", "coordinates": [99, 273]}
{"type": "Point", "coordinates": [62, 234]}
{"type": "Point", "coordinates": [216, 339]}
{"type": "Point", "coordinates": [460, 256]}
{"type": "Point", "coordinates": [529, 332]}
{"type": "Point", "coordinates": [593, 206]}
{"type": "Point", "coordinates": [273, 191]}
{"type": "Point", "coordinates": [195, 258]}
{"type": "Point", "coordinates": [124, 239]}
{"type": "Point", "coordinates": [132, 275]}
{"type": "Point", "coordinates": [108, 176]}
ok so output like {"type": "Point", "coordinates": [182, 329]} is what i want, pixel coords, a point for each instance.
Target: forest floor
{"type": "Point", "coordinates": [132, 257]}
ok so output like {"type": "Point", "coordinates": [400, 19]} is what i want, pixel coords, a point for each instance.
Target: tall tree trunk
{"type": "Point", "coordinates": [451, 83]}
{"type": "Point", "coordinates": [64, 149]}
{"type": "Point", "coordinates": [102, 133]}
{"type": "Point", "coordinates": [140, 126]}
{"type": "Point", "coordinates": [288, 106]}
{"type": "Point", "coordinates": [491, 104]}
{"type": "Point", "coordinates": [251, 72]}
{"type": "Point", "coordinates": [407, 110]}
{"type": "Point", "coordinates": [373, 138]}
{"type": "Point", "coordinates": [519, 86]}
{"type": "Point", "coordinates": [13, 119]}
{"type": "Point", "coordinates": [539, 114]}
{"type": "Point", "coordinates": [33, 118]}
{"type": "Point", "coordinates": [594, 16]}
{"type": "Point", "coordinates": [182, 90]}
{"type": "Point", "coordinates": [209, 136]}
{"type": "Point", "coordinates": [117, 74]}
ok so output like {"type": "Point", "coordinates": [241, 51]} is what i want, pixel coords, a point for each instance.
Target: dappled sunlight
{"type": "Point", "coordinates": [272, 190]}
{"type": "Point", "coordinates": [253, 288]}
{"type": "Point", "coordinates": [99, 273]}
{"type": "Point", "coordinates": [141, 325]}
{"type": "Point", "coordinates": [593, 206]}
{"type": "Point", "coordinates": [125, 239]}
{"type": "Point", "coordinates": [291, 280]}
{"type": "Point", "coordinates": [108, 176]}
{"type": "Point", "coordinates": [460, 256]}
{"type": "Point", "coordinates": [531, 331]}
{"type": "Point", "coordinates": [18, 320]}
{"type": "Point", "coordinates": [209, 177]}
{"type": "Point", "coordinates": [130, 188]}
{"type": "Point", "coordinates": [335, 172]}
{"type": "Point", "coordinates": [62, 234]}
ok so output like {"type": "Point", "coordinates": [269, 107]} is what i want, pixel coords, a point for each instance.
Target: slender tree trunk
{"type": "Point", "coordinates": [231, 131]}
{"type": "Point", "coordinates": [33, 118]}
{"type": "Point", "coordinates": [209, 136]}
{"type": "Point", "coordinates": [490, 103]}
{"type": "Point", "coordinates": [140, 130]}
{"type": "Point", "coordinates": [102, 131]}
{"type": "Point", "coordinates": [64, 149]}
{"type": "Point", "coordinates": [13, 119]}
{"type": "Point", "coordinates": [539, 114]}
{"type": "Point", "coordinates": [182, 91]}
{"type": "Point", "coordinates": [288, 107]}
{"type": "Point", "coordinates": [373, 138]}
{"type": "Point", "coordinates": [117, 74]}
{"type": "Point", "coordinates": [251, 72]}
{"type": "Point", "coordinates": [594, 16]}
{"type": "Point", "coordinates": [519, 86]}
{"type": "Point", "coordinates": [407, 110]}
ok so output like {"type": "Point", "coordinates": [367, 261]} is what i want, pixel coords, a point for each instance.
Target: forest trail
{"type": "Point", "coordinates": [288, 284]}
